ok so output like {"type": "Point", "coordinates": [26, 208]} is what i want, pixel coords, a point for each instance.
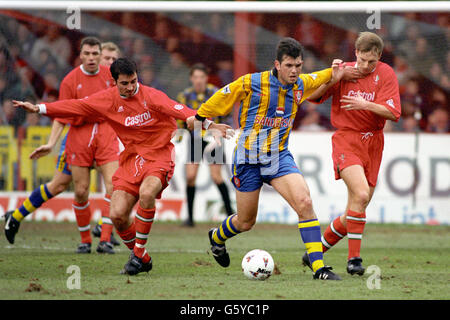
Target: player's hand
{"type": "Point", "coordinates": [353, 103]}
{"type": "Point", "coordinates": [27, 106]}
{"type": "Point", "coordinates": [351, 74]}
{"type": "Point", "coordinates": [338, 70]}
{"type": "Point", "coordinates": [41, 151]}
{"type": "Point", "coordinates": [220, 130]}
{"type": "Point", "coordinates": [191, 121]}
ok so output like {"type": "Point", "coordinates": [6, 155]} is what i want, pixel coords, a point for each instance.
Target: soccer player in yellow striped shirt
{"type": "Point", "coordinates": [269, 101]}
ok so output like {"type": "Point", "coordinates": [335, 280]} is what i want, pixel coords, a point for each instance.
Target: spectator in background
{"type": "Point", "coordinates": [162, 32]}
{"type": "Point", "coordinates": [411, 93]}
{"type": "Point", "coordinates": [126, 41]}
{"type": "Point", "coordinates": [309, 32]}
{"type": "Point", "coordinates": [197, 48]}
{"type": "Point", "coordinates": [23, 87]}
{"type": "Point", "coordinates": [438, 121]}
{"type": "Point", "coordinates": [409, 124]}
{"type": "Point", "coordinates": [224, 72]}
{"type": "Point", "coordinates": [311, 121]}
{"type": "Point", "coordinates": [216, 27]}
{"type": "Point", "coordinates": [175, 74]}
{"type": "Point", "coordinates": [44, 59]}
{"type": "Point", "coordinates": [347, 46]}
{"type": "Point", "coordinates": [330, 47]}
{"type": "Point", "coordinates": [147, 77]}
{"type": "Point", "coordinates": [56, 43]}
{"type": "Point", "coordinates": [435, 73]}
{"type": "Point", "coordinates": [402, 70]}
{"type": "Point", "coordinates": [421, 59]}
{"type": "Point", "coordinates": [408, 42]}
{"type": "Point", "coordinates": [140, 52]}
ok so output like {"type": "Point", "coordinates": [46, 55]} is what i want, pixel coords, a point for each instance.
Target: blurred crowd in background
{"type": "Point", "coordinates": [37, 51]}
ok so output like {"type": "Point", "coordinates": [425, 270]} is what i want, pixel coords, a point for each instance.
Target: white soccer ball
{"type": "Point", "coordinates": [257, 265]}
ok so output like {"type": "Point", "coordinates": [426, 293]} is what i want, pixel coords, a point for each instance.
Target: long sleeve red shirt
{"type": "Point", "coordinates": [144, 122]}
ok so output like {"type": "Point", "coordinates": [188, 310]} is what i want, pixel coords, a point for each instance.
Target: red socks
{"type": "Point", "coordinates": [143, 220]}
{"type": "Point", "coordinates": [83, 216]}
{"type": "Point", "coordinates": [333, 233]}
{"type": "Point", "coordinates": [107, 225]}
{"type": "Point", "coordinates": [355, 228]}
{"type": "Point", "coordinates": [128, 236]}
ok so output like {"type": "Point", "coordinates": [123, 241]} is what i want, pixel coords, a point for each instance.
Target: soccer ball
{"type": "Point", "coordinates": [257, 265]}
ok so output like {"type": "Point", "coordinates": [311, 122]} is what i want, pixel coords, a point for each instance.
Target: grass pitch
{"type": "Point", "coordinates": [413, 263]}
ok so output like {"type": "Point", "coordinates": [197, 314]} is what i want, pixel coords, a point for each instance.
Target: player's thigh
{"type": "Point", "coordinates": [122, 203]}
{"type": "Point", "coordinates": [59, 182]}
{"type": "Point", "coordinates": [247, 209]}
{"type": "Point", "coordinates": [293, 188]}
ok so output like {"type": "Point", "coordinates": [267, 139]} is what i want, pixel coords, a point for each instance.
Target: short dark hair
{"type": "Point", "coordinates": [198, 66]}
{"type": "Point", "coordinates": [91, 41]}
{"type": "Point", "coordinates": [123, 66]}
{"type": "Point", "coordinates": [290, 47]}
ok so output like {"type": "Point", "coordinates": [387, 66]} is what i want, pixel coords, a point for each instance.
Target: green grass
{"type": "Point", "coordinates": [414, 263]}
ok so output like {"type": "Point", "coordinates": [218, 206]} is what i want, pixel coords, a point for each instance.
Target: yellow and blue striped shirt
{"type": "Point", "coordinates": [267, 109]}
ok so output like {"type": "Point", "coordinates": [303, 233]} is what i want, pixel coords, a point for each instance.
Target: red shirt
{"type": "Point", "coordinates": [79, 84]}
{"type": "Point", "coordinates": [380, 87]}
{"type": "Point", "coordinates": [144, 122]}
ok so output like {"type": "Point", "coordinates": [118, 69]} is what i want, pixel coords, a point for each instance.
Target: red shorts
{"type": "Point", "coordinates": [135, 169]}
{"type": "Point", "coordinates": [91, 142]}
{"type": "Point", "coordinates": [358, 148]}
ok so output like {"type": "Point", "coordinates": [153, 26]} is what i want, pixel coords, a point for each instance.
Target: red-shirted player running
{"type": "Point", "coordinates": [144, 120]}
{"type": "Point", "coordinates": [359, 111]}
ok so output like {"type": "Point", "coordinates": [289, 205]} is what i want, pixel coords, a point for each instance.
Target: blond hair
{"type": "Point", "coordinates": [110, 46]}
{"type": "Point", "coordinates": [369, 41]}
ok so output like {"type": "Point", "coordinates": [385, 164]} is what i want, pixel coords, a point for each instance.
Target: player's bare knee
{"type": "Point", "coordinates": [56, 188]}
{"type": "Point", "coordinates": [147, 199]}
{"type": "Point", "coordinates": [304, 207]}
{"type": "Point", "coordinates": [119, 220]}
{"type": "Point", "coordinates": [81, 193]}
{"type": "Point", "coordinates": [362, 198]}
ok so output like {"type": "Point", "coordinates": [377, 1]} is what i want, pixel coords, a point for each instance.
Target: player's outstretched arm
{"type": "Point", "coordinates": [27, 106]}
{"type": "Point", "coordinates": [45, 149]}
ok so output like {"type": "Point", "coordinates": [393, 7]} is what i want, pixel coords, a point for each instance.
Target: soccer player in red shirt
{"type": "Point", "coordinates": [90, 142]}
{"type": "Point", "coordinates": [359, 111]}
{"type": "Point", "coordinates": [84, 144]}
{"type": "Point", "coordinates": [144, 120]}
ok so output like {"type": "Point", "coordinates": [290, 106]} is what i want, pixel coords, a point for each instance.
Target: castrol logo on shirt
{"type": "Point", "coordinates": [139, 120]}
{"type": "Point", "coordinates": [369, 96]}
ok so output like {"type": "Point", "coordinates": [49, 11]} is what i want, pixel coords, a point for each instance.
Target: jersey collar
{"type": "Point", "coordinates": [89, 73]}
